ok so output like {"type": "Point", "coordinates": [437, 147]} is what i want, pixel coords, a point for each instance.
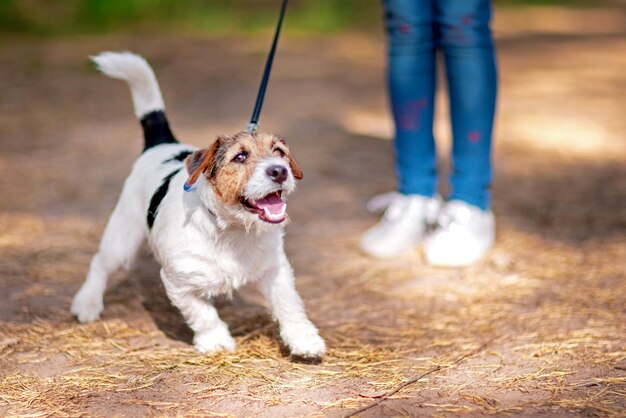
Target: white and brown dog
{"type": "Point", "coordinates": [213, 217]}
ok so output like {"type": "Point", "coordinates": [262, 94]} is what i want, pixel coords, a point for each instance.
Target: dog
{"type": "Point", "coordinates": [214, 218]}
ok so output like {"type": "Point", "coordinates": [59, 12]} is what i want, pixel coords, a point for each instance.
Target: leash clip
{"type": "Point", "coordinates": [252, 127]}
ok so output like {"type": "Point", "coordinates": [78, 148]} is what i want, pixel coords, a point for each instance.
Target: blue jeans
{"type": "Point", "coordinates": [417, 29]}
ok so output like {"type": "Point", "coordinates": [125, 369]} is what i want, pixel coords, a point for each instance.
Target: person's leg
{"type": "Point", "coordinates": [464, 35]}
{"type": "Point", "coordinates": [466, 226]}
{"type": "Point", "coordinates": [411, 81]}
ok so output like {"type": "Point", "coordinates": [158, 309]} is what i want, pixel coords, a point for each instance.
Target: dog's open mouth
{"type": "Point", "coordinates": [270, 208]}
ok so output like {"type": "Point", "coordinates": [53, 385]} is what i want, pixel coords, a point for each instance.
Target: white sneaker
{"type": "Point", "coordinates": [403, 225]}
{"type": "Point", "coordinates": [463, 235]}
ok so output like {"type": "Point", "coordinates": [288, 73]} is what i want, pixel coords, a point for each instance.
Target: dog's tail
{"type": "Point", "coordinates": [145, 91]}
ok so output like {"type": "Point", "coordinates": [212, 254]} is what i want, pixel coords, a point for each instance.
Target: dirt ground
{"type": "Point", "coordinates": [537, 328]}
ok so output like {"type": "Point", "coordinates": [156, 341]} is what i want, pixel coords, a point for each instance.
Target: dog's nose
{"type": "Point", "coordinates": [278, 173]}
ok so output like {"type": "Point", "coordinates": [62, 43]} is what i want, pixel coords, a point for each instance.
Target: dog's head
{"type": "Point", "coordinates": [245, 177]}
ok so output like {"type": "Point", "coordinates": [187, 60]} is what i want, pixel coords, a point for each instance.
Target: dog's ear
{"type": "Point", "coordinates": [293, 164]}
{"type": "Point", "coordinates": [295, 168]}
{"type": "Point", "coordinates": [201, 161]}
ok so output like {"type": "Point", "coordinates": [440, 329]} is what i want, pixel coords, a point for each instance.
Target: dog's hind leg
{"type": "Point", "coordinates": [120, 242]}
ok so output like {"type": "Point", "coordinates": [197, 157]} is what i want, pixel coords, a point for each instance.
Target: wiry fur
{"type": "Point", "coordinates": [208, 244]}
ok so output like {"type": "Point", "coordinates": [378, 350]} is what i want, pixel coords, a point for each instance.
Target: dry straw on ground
{"type": "Point", "coordinates": [387, 346]}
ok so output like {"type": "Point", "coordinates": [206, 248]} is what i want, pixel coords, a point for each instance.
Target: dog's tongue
{"type": "Point", "coordinates": [272, 202]}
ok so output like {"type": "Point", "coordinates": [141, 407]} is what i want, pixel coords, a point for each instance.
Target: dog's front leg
{"type": "Point", "coordinates": [296, 330]}
{"type": "Point", "coordinates": [210, 332]}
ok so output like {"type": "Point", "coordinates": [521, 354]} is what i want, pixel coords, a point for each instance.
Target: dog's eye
{"type": "Point", "coordinates": [280, 152]}
{"type": "Point", "coordinates": [240, 158]}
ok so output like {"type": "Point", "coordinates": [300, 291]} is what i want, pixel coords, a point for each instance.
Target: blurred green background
{"type": "Point", "coordinates": [73, 17]}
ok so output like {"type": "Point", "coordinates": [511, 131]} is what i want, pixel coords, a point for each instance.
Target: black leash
{"type": "Point", "coordinates": [253, 125]}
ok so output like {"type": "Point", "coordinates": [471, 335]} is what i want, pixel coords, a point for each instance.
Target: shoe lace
{"type": "Point", "coordinates": [453, 216]}
{"type": "Point", "coordinates": [380, 202]}
{"type": "Point", "coordinates": [397, 209]}
{"type": "Point", "coordinates": [401, 208]}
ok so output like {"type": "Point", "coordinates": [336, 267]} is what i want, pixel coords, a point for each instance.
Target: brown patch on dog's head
{"type": "Point", "coordinates": [230, 161]}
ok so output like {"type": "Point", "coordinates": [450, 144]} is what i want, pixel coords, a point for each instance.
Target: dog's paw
{"type": "Point", "coordinates": [214, 341]}
{"type": "Point", "coordinates": [86, 306]}
{"type": "Point", "coordinates": [307, 346]}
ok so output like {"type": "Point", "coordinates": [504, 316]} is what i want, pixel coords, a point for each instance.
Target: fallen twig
{"type": "Point", "coordinates": [415, 380]}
